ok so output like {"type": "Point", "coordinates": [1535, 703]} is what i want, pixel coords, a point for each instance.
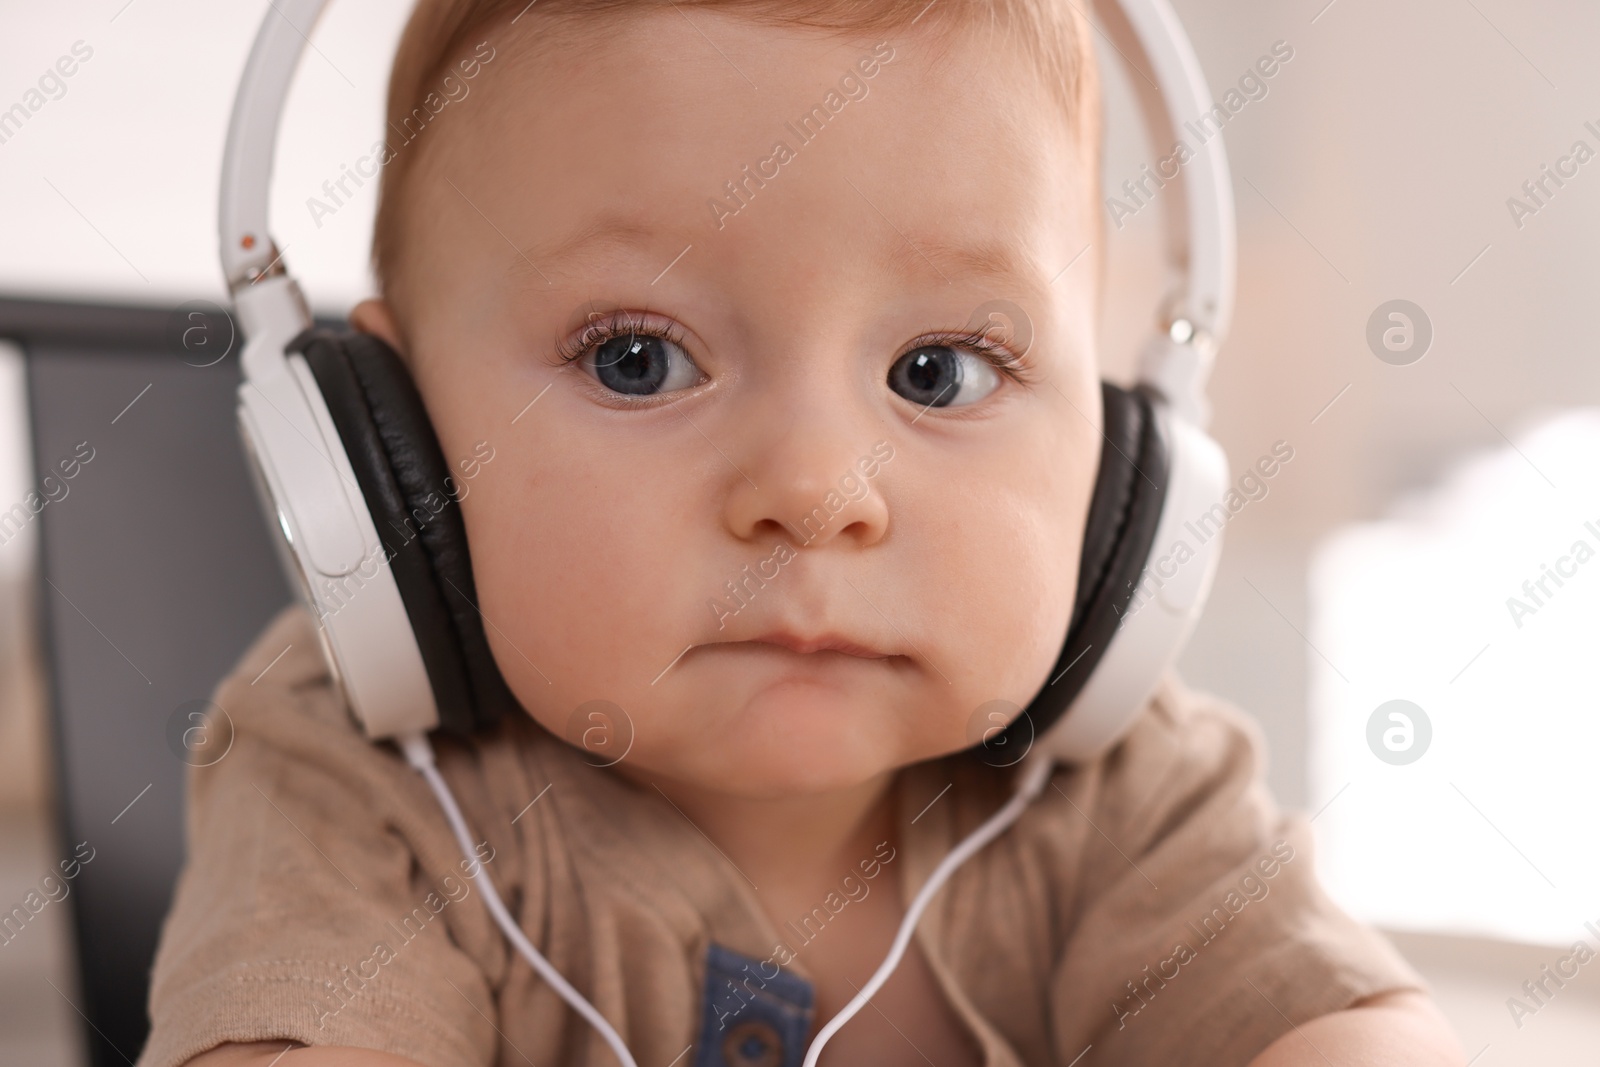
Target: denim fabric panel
{"type": "Point", "coordinates": [748, 1019]}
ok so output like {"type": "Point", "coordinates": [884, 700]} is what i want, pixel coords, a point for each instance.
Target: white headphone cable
{"type": "Point", "coordinates": [1033, 782]}
{"type": "Point", "coordinates": [419, 753]}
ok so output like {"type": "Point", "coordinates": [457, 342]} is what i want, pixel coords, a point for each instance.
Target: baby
{"type": "Point", "coordinates": [766, 533]}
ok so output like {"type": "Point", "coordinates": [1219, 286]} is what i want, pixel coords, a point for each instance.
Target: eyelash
{"type": "Point", "coordinates": [605, 328]}
{"type": "Point", "coordinates": [1008, 362]}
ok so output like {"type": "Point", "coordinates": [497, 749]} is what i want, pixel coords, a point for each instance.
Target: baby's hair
{"type": "Point", "coordinates": [1052, 34]}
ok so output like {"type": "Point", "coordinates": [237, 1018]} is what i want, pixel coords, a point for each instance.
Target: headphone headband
{"type": "Point", "coordinates": [247, 250]}
{"type": "Point", "coordinates": [1200, 231]}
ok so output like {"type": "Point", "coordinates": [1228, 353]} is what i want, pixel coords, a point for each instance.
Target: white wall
{"type": "Point", "coordinates": [112, 188]}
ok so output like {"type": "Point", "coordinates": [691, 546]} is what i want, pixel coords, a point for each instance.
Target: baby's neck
{"type": "Point", "coordinates": [790, 847]}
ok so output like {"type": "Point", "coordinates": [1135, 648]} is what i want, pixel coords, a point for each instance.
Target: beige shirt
{"type": "Point", "coordinates": [1150, 907]}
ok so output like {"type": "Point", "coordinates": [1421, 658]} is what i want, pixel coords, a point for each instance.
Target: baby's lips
{"type": "Point", "coordinates": [804, 640]}
{"type": "Point", "coordinates": [823, 642]}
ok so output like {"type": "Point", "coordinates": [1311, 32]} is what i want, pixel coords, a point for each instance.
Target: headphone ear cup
{"type": "Point", "coordinates": [407, 486]}
{"type": "Point", "coordinates": [1129, 492]}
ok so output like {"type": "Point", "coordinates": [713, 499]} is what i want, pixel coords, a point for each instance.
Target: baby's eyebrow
{"type": "Point", "coordinates": [1000, 262]}
{"type": "Point", "coordinates": [602, 233]}
{"type": "Point", "coordinates": [921, 257]}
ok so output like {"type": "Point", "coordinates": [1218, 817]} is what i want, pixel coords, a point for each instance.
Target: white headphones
{"type": "Point", "coordinates": [344, 454]}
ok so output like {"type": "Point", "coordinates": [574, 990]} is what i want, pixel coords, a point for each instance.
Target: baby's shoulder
{"type": "Point", "coordinates": [1190, 755]}
{"type": "Point", "coordinates": [284, 673]}
{"type": "Point", "coordinates": [283, 689]}
{"type": "Point", "coordinates": [282, 713]}
{"type": "Point", "coordinates": [1182, 734]}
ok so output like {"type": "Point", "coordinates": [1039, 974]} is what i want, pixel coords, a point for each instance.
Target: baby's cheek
{"type": "Point", "coordinates": [586, 589]}
{"type": "Point", "coordinates": [1028, 599]}
{"type": "Point", "coordinates": [998, 613]}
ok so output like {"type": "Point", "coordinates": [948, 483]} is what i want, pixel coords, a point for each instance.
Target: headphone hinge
{"type": "Point", "coordinates": [1176, 364]}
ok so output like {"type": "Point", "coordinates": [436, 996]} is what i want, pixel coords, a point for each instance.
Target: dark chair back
{"type": "Point", "coordinates": [155, 574]}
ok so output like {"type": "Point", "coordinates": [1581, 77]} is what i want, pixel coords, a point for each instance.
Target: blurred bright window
{"type": "Point", "coordinates": [1478, 600]}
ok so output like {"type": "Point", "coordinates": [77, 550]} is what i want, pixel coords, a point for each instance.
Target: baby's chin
{"type": "Point", "coordinates": [788, 739]}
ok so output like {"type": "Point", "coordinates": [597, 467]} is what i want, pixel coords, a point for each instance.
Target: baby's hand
{"type": "Point", "coordinates": [293, 1054]}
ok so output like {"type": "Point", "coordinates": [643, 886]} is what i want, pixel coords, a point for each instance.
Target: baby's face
{"type": "Point", "coordinates": [786, 412]}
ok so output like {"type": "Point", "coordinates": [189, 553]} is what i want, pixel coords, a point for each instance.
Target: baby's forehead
{"type": "Point", "coordinates": [725, 126]}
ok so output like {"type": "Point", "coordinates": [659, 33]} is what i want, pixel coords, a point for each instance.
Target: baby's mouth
{"type": "Point", "coordinates": [826, 642]}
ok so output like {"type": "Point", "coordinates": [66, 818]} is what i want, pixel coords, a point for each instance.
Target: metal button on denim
{"type": "Point", "coordinates": [753, 1013]}
{"type": "Point", "coordinates": [753, 1044]}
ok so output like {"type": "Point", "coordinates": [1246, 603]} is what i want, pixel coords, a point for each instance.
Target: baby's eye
{"type": "Point", "coordinates": [937, 376]}
{"type": "Point", "coordinates": [636, 363]}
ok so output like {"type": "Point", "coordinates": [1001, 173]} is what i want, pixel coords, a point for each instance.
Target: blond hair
{"type": "Point", "coordinates": [1053, 34]}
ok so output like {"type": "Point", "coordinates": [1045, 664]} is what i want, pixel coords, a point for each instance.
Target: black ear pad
{"type": "Point", "coordinates": [1128, 495]}
{"type": "Point", "coordinates": [410, 492]}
